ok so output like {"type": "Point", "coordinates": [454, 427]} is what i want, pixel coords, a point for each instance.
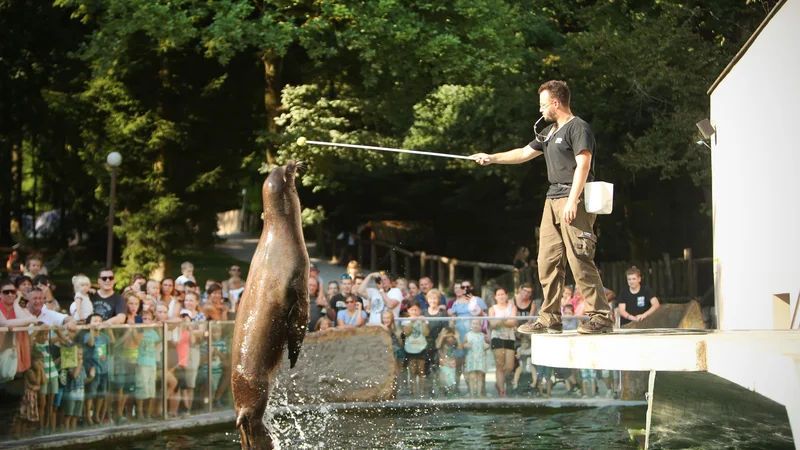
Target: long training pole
{"type": "Point", "coordinates": [302, 141]}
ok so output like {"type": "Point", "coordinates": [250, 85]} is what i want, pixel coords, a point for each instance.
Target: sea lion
{"type": "Point", "coordinates": [273, 311]}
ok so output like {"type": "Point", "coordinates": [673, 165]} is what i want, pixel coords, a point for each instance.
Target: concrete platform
{"type": "Point", "coordinates": [759, 361]}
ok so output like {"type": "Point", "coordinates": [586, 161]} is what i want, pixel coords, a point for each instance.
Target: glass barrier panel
{"type": "Point", "coordinates": [221, 343]}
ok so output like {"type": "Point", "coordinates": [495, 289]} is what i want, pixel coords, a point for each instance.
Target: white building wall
{"type": "Point", "coordinates": [756, 176]}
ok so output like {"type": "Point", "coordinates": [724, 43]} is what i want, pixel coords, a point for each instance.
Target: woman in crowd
{"type": "Point", "coordinates": [503, 337]}
{"type": "Point", "coordinates": [352, 316]}
{"type": "Point", "coordinates": [215, 308]}
{"type": "Point", "coordinates": [416, 343]}
{"type": "Point", "coordinates": [435, 327]}
{"type": "Point", "coordinates": [13, 315]}
{"type": "Point", "coordinates": [168, 297]}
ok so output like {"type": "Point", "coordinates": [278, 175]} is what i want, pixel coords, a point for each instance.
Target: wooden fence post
{"type": "Point", "coordinates": [421, 265]}
{"type": "Point", "coordinates": [407, 268]}
{"type": "Point", "coordinates": [360, 253]}
{"type": "Point", "coordinates": [476, 279]}
{"type": "Point", "coordinates": [451, 277]}
{"type": "Point", "coordinates": [393, 261]}
{"type": "Point", "coordinates": [440, 276]}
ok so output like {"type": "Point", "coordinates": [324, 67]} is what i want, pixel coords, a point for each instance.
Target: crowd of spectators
{"type": "Point", "coordinates": [103, 373]}
{"type": "Point", "coordinates": [433, 351]}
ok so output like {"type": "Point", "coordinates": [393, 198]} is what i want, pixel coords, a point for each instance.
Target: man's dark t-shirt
{"type": "Point", "coordinates": [560, 152]}
{"type": "Point", "coordinates": [637, 303]}
{"type": "Point", "coordinates": [108, 307]}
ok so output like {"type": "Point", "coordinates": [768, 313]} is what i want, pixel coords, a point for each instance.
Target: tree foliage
{"type": "Point", "coordinates": [197, 96]}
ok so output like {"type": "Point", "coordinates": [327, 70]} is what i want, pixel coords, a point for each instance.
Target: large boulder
{"type": "Point", "coordinates": [350, 365]}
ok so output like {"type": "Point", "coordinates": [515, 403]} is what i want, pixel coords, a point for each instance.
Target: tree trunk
{"type": "Point", "coordinates": [272, 101]}
{"type": "Point", "coordinates": [16, 183]}
{"type": "Point", "coordinates": [5, 193]}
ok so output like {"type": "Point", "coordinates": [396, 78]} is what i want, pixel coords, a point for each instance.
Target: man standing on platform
{"type": "Point", "coordinates": [568, 146]}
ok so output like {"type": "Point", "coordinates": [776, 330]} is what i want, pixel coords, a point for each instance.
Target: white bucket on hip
{"type": "Point", "coordinates": [599, 197]}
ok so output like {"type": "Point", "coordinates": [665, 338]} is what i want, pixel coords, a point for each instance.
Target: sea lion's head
{"type": "Point", "coordinates": [279, 192]}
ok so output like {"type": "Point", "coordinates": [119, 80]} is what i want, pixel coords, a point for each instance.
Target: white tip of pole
{"type": "Point", "coordinates": [301, 141]}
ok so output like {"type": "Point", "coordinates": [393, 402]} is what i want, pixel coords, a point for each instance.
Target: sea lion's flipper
{"type": "Point", "coordinates": [296, 321]}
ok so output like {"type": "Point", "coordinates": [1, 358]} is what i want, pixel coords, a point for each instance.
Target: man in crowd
{"type": "Point", "coordinates": [566, 231]}
{"type": "Point", "coordinates": [107, 303]}
{"type": "Point", "coordinates": [637, 302]}
{"type": "Point", "coordinates": [338, 300]}
{"type": "Point", "coordinates": [381, 297]}
{"type": "Point", "coordinates": [425, 285]}
{"type": "Point", "coordinates": [44, 315]}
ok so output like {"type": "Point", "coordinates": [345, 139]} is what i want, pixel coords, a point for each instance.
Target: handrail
{"type": "Point", "coordinates": [449, 318]}
{"type": "Point", "coordinates": [115, 326]}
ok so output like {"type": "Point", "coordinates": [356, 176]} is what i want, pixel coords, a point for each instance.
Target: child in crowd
{"type": "Point", "coordinates": [475, 366]}
{"type": "Point", "coordinates": [187, 273]}
{"type": "Point", "coordinates": [96, 344]}
{"type": "Point", "coordinates": [566, 296]}
{"type": "Point", "coordinates": [49, 388]}
{"type": "Point", "coordinates": [219, 352]}
{"type": "Point", "coordinates": [148, 340]}
{"type": "Point", "coordinates": [447, 343]}
{"type": "Point", "coordinates": [323, 324]}
{"type": "Point", "coordinates": [568, 318]}
{"type": "Point", "coordinates": [35, 378]}
{"type": "Point", "coordinates": [396, 334]}
{"type": "Point", "coordinates": [416, 331]}
{"type": "Point", "coordinates": [74, 393]}
{"type": "Point", "coordinates": [34, 266]}
{"type": "Point", "coordinates": [524, 357]}
{"type": "Point", "coordinates": [81, 307]}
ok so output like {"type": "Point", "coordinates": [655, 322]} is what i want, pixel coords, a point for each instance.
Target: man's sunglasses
{"type": "Point", "coordinates": [111, 278]}
{"type": "Point", "coordinates": [347, 277]}
{"type": "Point", "coordinates": [9, 291]}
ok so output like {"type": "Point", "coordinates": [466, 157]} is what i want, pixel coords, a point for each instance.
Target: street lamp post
{"type": "Point", "coordinates": [114, 159]}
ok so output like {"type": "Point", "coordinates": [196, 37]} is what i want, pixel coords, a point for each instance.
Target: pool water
{"type": "Point", "coordinates": [431, 427]}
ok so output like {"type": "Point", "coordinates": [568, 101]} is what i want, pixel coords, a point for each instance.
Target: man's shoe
{"type": "Point", "coordinates": [538, 328]}
{"type": "Point", "coordinates": [595, 327]}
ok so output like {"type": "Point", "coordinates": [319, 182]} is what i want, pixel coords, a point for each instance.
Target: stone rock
{"type": "Point", "coordinates": [351, 365]}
